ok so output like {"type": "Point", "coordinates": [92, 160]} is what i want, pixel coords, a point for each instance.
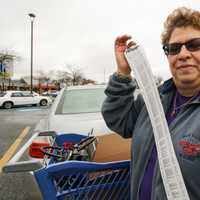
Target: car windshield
{"type": "Point", "coordinates": [82, 101]}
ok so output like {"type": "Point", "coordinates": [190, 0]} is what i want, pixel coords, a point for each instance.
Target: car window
{"type": "Point", "coordinates": [16, 94]}
{"type": "Point", "coordinates": [2, 94]}
{"type": "Point", "coordinates": [82, 101]}
{"type": "Point", "coordinates": [27, 94]}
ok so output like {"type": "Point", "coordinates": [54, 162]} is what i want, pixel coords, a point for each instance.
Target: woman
{"type": "Point", "coordinates": [180, 96]}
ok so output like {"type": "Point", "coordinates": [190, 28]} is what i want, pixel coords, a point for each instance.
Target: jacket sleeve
{"type": "Point", "coordinates": [120, 109]}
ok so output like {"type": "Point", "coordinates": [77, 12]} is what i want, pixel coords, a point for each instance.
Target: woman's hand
{"type": "Point", "coordinates": [121, 44]}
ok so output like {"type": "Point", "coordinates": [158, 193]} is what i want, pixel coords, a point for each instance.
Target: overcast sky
{"type": "Point", "coordinates": [82, 32]}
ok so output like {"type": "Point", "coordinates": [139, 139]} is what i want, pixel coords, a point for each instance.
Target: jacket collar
{"type": "Point", "coordinates": [168, 86]}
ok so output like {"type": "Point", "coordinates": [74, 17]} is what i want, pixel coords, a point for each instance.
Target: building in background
{"type": "Point", "coordinates": [6, 65]}
{"type": "Point", "coordinates": [6, 70]}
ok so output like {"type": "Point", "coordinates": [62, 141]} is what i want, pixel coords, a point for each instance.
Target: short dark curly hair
{"type": "Point", "coordinates": [180, 17]}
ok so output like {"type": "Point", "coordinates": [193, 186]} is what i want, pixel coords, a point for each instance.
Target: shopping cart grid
{"type": "Point", "coordinates": [82, 180]}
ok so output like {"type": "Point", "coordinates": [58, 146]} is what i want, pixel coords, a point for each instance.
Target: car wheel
{"type": "Point", "coordinates": [43, 102]}
{"type": "Point", "coordinates": [8, 105]}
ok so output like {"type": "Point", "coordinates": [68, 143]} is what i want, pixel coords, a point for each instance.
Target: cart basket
{"type": "Point", "coordinates": [68, 146]}
{"type": "Point", "coordinates": [82, 180]}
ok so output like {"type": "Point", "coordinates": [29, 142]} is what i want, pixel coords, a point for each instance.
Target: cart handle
{"type": "Point", "coordinates": [48, 133]}
{"type": "Point", "coordinates": [23, 166]}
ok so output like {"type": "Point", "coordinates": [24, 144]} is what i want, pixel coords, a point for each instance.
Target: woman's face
{"type": "Point", "coordinates": [185, 66]}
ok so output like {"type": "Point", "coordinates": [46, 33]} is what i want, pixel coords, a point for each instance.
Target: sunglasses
{"type": "Point", "coordinates": [175, 48]}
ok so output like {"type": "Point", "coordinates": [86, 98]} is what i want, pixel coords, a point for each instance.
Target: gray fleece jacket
{"type": "Point", "coordinates": [127, 115]}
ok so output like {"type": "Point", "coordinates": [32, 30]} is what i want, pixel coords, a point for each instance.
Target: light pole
{"type": "Point", "coordinates": [32, 16]}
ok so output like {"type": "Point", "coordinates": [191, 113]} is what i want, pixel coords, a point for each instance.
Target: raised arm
{"type": "Point", "coordinates": [121, 109]}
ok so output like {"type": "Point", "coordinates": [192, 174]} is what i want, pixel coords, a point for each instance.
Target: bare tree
{"type": "Point", "coordinates": [76, 74]}
{"type": "Point", "coordinates": [88, 81]}
{"type": "Point", "coordinates": [63, 77]}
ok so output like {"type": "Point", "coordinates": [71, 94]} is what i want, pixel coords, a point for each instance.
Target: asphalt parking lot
{"type": "Point", "coordinates": [14, 123]}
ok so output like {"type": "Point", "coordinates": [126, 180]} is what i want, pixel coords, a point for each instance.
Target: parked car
{"type": "Point", "coordinates": [9, 99]}
{"type": "Point", "coordinates": [76, 109]}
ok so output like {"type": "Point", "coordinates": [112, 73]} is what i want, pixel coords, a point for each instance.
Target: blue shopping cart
{"type": "Point", "coordinates": [82, 180]}
{"type": "Point", "coordinates": [76, 177]}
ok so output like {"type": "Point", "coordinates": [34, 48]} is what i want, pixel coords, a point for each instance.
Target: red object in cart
{"type": "Point", "coordinates": [35, 149]}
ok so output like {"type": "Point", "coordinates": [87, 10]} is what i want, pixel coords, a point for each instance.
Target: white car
{"type": "Point", "coordinates": [76, 110]}
{"type": "Point", "coordinates": [9, 99]}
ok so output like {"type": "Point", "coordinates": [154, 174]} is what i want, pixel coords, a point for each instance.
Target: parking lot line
{"type": "Point", "coordinates": [7, 156]}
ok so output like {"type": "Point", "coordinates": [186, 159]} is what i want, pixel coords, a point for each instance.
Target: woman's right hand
{"type": "Point", "coordinates": [121, 44]}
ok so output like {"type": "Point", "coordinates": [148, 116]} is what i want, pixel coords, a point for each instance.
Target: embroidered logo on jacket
{"type": "Point", "coordinates": [190, 147]}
